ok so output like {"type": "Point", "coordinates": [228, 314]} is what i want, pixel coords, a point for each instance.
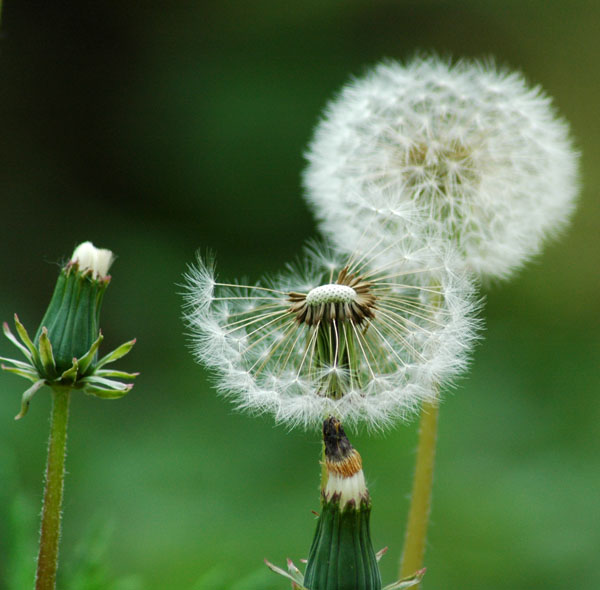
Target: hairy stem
{"type": "Point", "coordinates": [53, 493]}
{"type": "Point", "coordinates": [420, 503]}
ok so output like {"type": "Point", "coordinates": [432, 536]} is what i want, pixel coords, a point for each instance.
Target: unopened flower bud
{"type": "Point", "coordinates": [71, 320]}
{"type": "Point", "coordinates": [64, 352]}
{"type": "Point", "coordinates": [343, 528]}
{"type": "Point", "coordinates": [341, 556]}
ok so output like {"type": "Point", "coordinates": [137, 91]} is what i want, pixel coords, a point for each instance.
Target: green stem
{"type": "Point", "coordinates": [324, 473]}
{"type": "Point", "coordinates": [420, 503]}
{"type": "Point", "coordinates": [53, 493]}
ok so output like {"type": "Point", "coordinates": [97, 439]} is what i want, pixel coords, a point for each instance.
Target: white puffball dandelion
{"type": "Point", "coordinates": [365, 337]}
{"type": "Point", "coordinates": [479, 152]}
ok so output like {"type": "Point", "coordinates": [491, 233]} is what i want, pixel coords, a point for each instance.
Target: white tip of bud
{"type": "Point", "coordinates": [88, 257]}
{"type": "Point", "coordinates": [348, 489]}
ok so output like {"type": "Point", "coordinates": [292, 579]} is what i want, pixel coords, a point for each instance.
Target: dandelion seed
{"type": "Point", "coordinates": [480, 154]}
{"type": "Point", "coordinates": [361, 336]}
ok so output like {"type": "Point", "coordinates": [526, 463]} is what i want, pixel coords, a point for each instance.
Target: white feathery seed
{"type": "Point", "coordinates": [482, 155]}
{"type": "Point", "coordinates": [370, 357]}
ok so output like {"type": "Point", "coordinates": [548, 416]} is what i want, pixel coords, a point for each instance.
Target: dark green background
{"type": "Point", "coordinates": [155, 130]}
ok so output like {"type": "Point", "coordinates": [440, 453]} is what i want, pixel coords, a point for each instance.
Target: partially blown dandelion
{"type": "Point", "coordinates": [476, 149]}
{"type": "Point", "coordinates": [362, 337]}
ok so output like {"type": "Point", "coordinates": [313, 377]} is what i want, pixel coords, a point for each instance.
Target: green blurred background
{"type": "Point", "coordinates": [155, 130]}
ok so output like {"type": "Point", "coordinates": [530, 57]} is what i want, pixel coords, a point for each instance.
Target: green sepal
{"type": "Point", "coordinates": [119, 374]}
{"type": "Point", "coordinates": [47, 356]}
{"type": "Point", "coordinates": [380, 554]}
{"type": "Point", "coordinates": [71, 374]}
{"type": "Point", "coordinates": [294, 575]}
{"type": "Point", "coordinates": [24, 335]}
{"type": "Point", "coordinates": [18, 364]}
{"type": "Point", "coordinates": [28, 373]}
{"type": "Point", "coordinates": [116, 354]}
{"type": "Point", "coordinates": [341, 556]}
{"type": "Point", "coordinates": [103, 393]}
{"type": "Point", "coordinates": [26, 398]}
{"type": "Point", "coordinates": [408, 582]}
{"type": "Point", "coordinates": [105, 388]}
{"type": "Point", "coordinates": [86, 360]}
{"type": "Point", "coordinates": [14, 340]}
{"type": "Point", "coordinates": [102, 382]}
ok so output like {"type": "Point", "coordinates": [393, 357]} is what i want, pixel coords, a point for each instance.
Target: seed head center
{"type": "Point", "coordinates": [348, 299]}
{"type": "Point", "coordinates": [332, 293]}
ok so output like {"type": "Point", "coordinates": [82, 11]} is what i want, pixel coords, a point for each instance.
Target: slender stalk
{"type": "Point", "coordinates": [53, 493]}
{"type": "Point", "coordinates": [420, 503]}
{"type": "Point", "coordinates": [324, 472]}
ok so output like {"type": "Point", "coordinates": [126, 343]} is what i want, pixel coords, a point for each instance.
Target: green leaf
{"type": "Point", "coordinates": [116, 354]}
{"type": "Point", "coordinates": [26, 398]}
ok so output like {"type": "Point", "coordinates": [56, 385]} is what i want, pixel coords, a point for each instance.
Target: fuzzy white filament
{"type": "Point", "coordinates": [478, 151]}
{"type": "Point", "coordinates": [90, 258]}
{"type": "Point", "coordinates": [364, 337]}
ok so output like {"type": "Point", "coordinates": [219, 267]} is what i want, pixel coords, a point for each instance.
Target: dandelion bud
{"type": "Point", "coordinates": [71, 320]}
{"type": "Point", "coordinates": [63, 353]}
{"type": "Point", "coordinates": [341, 556]}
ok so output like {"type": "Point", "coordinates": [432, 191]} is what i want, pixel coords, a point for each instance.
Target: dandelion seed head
{"type": "Point", "coordinates": [480, 154]}
{"type": "Point", "coordinates": [364, 336]}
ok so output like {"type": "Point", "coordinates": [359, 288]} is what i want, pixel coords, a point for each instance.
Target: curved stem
{"type": "Point", "coordinates": [53, 493]}
{"type": "Point", "coordinates": [420, 503]}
